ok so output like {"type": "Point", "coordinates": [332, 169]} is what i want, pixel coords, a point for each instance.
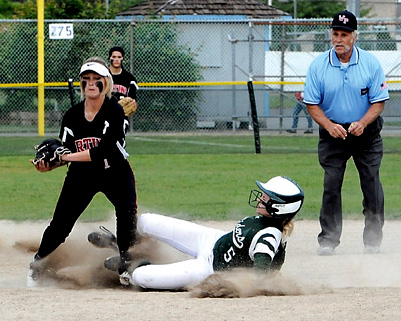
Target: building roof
{"type": "Point", "coordinates": [250, 8]}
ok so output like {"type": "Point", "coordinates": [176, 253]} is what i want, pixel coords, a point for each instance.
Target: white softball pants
{"type": "Point", "coordinates": [190, 238]}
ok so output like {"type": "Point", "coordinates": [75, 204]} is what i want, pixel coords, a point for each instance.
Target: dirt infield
{"type": "Point", "coordinates": [350, 285]}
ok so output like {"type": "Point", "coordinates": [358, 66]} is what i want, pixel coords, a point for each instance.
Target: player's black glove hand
{"type": "Point", "coordinates": [50, 151]}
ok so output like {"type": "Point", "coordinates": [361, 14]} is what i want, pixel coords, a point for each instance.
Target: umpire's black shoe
{"type": "Point", "coordinates": [104, 239]}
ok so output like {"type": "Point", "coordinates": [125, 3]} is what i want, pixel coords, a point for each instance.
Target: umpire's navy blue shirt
{"type": "Point", "coordinates": [345, 93]}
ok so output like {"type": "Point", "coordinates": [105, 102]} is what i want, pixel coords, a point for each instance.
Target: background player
{"type": "Point", "coordinates": [300, 106]}
{"type": "Point", "coordinates": [256, 241]}
{"type": "Point", "coordinates": [125, 84]}
{"type": "Point", "coordinates": [94, 131]}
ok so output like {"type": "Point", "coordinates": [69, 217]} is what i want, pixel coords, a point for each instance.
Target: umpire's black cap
{"type": "Point", "coordinates": [344, 20]}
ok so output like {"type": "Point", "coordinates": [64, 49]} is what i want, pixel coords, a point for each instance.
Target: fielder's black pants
{"type": "Point", "coordinates": [367, 152]}
{"type": "Point", "coordinates": [80, 186]}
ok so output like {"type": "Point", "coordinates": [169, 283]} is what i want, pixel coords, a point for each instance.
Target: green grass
{"type": "Point", "coordinates": [197, 144]}
{"type": "Point", "coordinates": [195, 177]}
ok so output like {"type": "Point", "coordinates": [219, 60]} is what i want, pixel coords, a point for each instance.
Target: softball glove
{"type": "Point", "coordinates": [50, 151]}
{"type": "Point", "coordinates": [129, 105]}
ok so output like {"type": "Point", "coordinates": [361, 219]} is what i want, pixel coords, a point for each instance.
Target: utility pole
{"type": "Point", "coordinates": [107, 8]}
{"type": "Point", "coordinates": [355, 7]}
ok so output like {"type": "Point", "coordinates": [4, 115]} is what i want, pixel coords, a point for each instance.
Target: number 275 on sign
{"type": "Point", "coordinates": [61, 31]}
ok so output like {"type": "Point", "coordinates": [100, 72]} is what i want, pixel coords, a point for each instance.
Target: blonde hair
{"type": "Point", "coordinates": [108, 80]}
{"type": "Point", "coordinates": [287, 230]}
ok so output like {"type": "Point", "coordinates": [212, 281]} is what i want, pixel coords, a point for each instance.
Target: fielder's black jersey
{"type": "Point", "coordinates": [125, 85]}
{"type": "Point", "coordinates": [256, 241]}
{"type": "Point", "coordinates": [104, 136]}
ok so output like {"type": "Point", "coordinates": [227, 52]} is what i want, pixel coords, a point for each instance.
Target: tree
{"type": "Point", "coordinates": [160, 58]}
{"type": "Point", "coordinates": [65, 9]}
{"type": "Point", "coordinates": [314, 8]}
{"type": "Point", "coordinates": [310, 9]}
{"type": "Point", "coordinates": [7, 9]}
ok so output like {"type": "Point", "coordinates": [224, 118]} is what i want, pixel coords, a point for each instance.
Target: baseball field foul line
{"type": "Point", "coordinates": [192, 142]}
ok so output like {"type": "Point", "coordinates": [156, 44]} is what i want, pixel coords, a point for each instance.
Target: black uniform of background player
{"type": "Point", "coordinates": [125, 84]}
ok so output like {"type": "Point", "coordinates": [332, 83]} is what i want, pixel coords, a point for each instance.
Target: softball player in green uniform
{"type": "Point", "coordinates": [257, 242]}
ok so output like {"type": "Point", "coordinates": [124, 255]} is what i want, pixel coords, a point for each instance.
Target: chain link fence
{"type": "Point", "coordinates": [192, 74]}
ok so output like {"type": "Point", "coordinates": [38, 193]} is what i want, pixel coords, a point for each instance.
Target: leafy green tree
{"type": "Point", "coordinates": [307, 9]}
{"type": "Point", "coordinates": [160, 58]}
{"type": "Point", "coordinates": [310, 9]}
{"type": "Point", "coordinates": [315, 8]}
{"type": "Point", "coordinates": [7, 9]}
{"type": "Point", "coordinates": [65, 9]}
{"type": "Point", "coordinates": [18, 59]}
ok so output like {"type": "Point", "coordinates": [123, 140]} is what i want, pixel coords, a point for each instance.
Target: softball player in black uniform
{"type": "Point", "coordinates": [94, 131]}
{"type": "Point", "coordinates": [124, 83]}
{"type": "Point", "coordinates": [256, 241]}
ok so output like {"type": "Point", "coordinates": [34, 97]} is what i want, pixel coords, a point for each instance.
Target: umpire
{"type": "Point", "coordinates": [345, 93]}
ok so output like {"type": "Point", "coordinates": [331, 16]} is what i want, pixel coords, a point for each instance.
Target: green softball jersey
{"type": "Point", "coordinates": [256, 241]}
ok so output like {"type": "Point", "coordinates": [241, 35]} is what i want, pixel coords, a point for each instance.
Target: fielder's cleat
{"type": "Point", "coordinates": [32, 279]}
{"type": "Point", "coordinates": [112, 263]}
{"type": "Point", "coordinates": [371, 249]}
{"type": "Point", "coordinates": [116, 263]}
{"type": "Point", "coordinates": [325, 251]}
{"type": "Point", "coordinates": [35, 269]}
{"type": "Point", "coordinates": [104, 239]}
{"type": "Point", "coordinates": [125, 278]}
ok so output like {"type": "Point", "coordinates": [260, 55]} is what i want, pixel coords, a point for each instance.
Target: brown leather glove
{"type": "Point", "coordinates": [129, 105]}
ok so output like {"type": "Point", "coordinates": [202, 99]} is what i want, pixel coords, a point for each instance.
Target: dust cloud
{"type": "Point", "coordinates": [77, 264]}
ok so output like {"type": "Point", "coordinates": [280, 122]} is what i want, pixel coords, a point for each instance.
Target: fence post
{"type": "Point", "coordinates": [132, 63]}
{"type": "Point", "coordinates": [282, 72]}
{"type": "Point", "coordinates": [41, 69]}
{"type": "Point", "coordinates": [254, 114]}
{"type": "Point", "coordinates": [233, 41]}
